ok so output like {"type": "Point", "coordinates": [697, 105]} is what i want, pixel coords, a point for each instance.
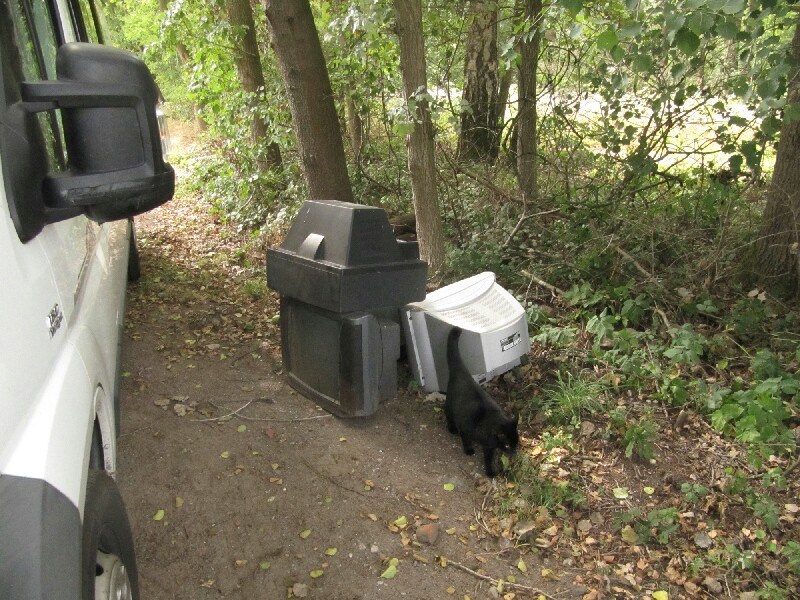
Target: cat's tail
{"type": "Point", "coordinates": [453, 355]}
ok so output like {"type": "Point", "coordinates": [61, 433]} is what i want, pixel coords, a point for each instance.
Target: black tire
{"type": "Point", "coordinates": [106, 533]}
{"type": "Point", "coordinates": [134, 268]}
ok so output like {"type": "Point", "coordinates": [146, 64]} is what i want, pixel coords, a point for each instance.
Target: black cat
{"type": "Point", "coordinates": [473, 414]}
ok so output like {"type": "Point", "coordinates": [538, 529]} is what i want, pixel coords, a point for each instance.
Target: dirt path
{"type": "Point", "coordinates": [279, 499]}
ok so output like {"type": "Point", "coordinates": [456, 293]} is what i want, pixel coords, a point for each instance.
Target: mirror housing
{"type": "Point", "coordinates": [107, 99]}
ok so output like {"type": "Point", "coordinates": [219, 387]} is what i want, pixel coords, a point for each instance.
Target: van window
{"type": "Point", "coordinates": [88, 17]}
{"type": "Point", "coordinates": [35, 37]}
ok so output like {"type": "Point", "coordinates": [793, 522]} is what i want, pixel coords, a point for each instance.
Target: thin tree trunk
{"type": "Point", "coordinates": [421, 159]}
{"type": "Point", "coordinates": [355, 128]}
{"type": "Point", "coordinates": [251, 76]}
{"type": "Point", "coordinates": [305, 77]}
{"type": "Point", "coordinates": [778, 244]}
{"type": "Point", "coordinates": [526, 118]}
{"type": "Point", "coordinates": [478, 139]}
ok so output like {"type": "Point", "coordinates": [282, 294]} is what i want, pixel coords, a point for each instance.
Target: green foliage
{"type": "Point", "coordinates": [657, 525]}
{"type": "Point", "coordinates": [687, 346]}
{"type": "Point", "coordinates": [635, 436]}
{"type": "Point", "coordinates": [573, 399]}
{"type": "Point", "coordinates": [693, 492]}
{"type": "Point", "coordinates": [538, 490]}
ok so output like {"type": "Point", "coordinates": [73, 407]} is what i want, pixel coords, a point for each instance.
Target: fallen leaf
{"type": "Point", "coordinates": [549, 574]}
{"type": "Point", "coordinates": [178, 501]}
{"type": "Point", "coordinates": [300, 590]}
{"type": "Point", "coordinates": [264, 565]}
{"type": "Point", "coordinates": [702, 540]}
{"type": "Point", "coordinates": [629, 535]}
{"type": "Point", "coordinates": [317, 573]}
{"type": "Point", "coordinates": [240, 562]}
{"type": "Point", "coordinates": [159, 514]}
{"type": "Point", "coordinates": [620, 493]}
{"type": "Point", "coordinates": [451, 590]}
{"type": "Point", "coordinates": [225, 454]}
{"type": "Point", "coordinates": [391, 570]}
{"type": "Point", "coordinates": [401, 521]}
{"type": "Point", "coordinates": [207, 583]}
{"type": "Point", "coordinates": [241, 428]}
{"type": "Point", "coordinates": [331, 551]}
{"type": "Point", "coordinates": [660, 595]}
{"type": "Point", "coordinates": [522, 566]}
{"type": "Point", "coordinates": [305, 533]}
{"type": "Point", "coordinates": [372, 517]}
{"type": "Point", "coordinates": [449, 487]}
{"type": "Point", "coordinates": [649, 490]}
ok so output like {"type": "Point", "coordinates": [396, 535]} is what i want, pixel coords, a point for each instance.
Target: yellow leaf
{"type": "Point", "coordinates": [159, 514]}
{"type": "Point", "coordinates": [401, 521]}
{"type": "Point", "coordinates": [304, 534]}
{"type": "Point", "coordinates": [449, 487]}
{"type": "Point", "coordinates": [225, 454]}
{"type": "Point", "coordinates": [451, 590]}
{"type": "Point", "coordinates": [372, 517]}
{"type": "Point", "coordinates": [241, 428]}
{"type": "Point", "coordinates": [389, 573]}
{"type": "Point", "coordinates": [178, 501]}
{"type": "Point", "coordinates": [317, 573]}
{"type": "Point", "coordinates": [264, 565]}
{"type": "Point", "coordinates": [331, 551]}
{"type": "Point", "coordinates": [522, 566]}
{"type": "Point", "coordinates": [660, 595]}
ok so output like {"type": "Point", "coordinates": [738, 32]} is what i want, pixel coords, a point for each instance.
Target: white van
{"type": "Point", "coordinates": [81, 155]}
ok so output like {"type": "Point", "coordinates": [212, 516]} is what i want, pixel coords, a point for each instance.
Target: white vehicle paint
{"type": "Point", "coordinates": [65, 235]}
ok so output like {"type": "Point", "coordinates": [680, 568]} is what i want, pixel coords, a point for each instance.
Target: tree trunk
{"type": "Point", "coordinates": [251, 76]}
{"type": "Point", "coordinates": [777, 249]}
{"type": "Point", "coordinates": [355, 128]}
{"type": "Point", "coordinates": [305, 77]}
{"type": "Point", "coordinates": [421, 159]}
{"type": "Point", "coordinates": [526, 115]}
{"type": "Point", "coordinates": [478, 139]}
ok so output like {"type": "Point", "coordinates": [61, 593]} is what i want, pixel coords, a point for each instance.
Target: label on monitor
{"type": "Point", "coordinates": [510, 341]}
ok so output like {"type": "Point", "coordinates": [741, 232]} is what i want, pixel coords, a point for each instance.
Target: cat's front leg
{"type": "Point", "coordinates": [489, 455]}
{"type": "Point", "coordinates": [469, 445]}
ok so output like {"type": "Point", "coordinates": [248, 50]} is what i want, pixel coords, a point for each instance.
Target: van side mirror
{"type": "Point", "coordinates": [107, 99]}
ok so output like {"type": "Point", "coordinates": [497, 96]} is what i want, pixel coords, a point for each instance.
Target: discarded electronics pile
{"type": "Point", "coordinates": [348, 288]}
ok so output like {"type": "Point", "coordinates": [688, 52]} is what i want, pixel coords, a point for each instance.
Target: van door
{"type": "Point", "coordinates": [67, 244]}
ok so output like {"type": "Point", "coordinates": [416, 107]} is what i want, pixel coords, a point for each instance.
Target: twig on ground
{"type": "Point", "coordinates": [236, 413]}
{"type": "Point", "coordinates": [543, 283]}
{"type": "Point", "coordinates": [230, 414]}
{"type": "Point", "coordinates": [506, 584]}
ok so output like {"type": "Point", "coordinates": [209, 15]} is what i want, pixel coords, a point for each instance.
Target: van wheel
{"type": "Point", "coordinates": [134, 268]}
{"type": "Point", "coordinates": [109, 561]}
